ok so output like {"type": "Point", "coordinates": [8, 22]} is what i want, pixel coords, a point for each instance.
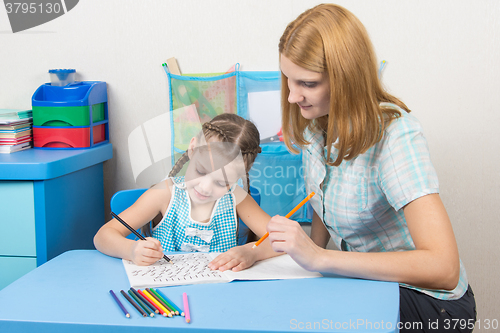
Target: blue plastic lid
{"type": "Point", "coordinates": [57, 71]}
{"type": "Point", "coordinates": [62, 74]}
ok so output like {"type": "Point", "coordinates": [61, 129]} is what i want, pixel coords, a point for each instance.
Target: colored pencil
{"type": "Point", "coordinates": [287, 216]}
{"type": "Point", "coordinates": [186, 307]}
{"type": "Point", "coordinates": [160, 307]}
{"type": "Point", "coordinates": [153, 298]}
{"type": "Point", "coordinates": [135, 232]}
{"type": "Point", "coordinates": [162, 301]}
{"type": "Point", "coordinates": [134, 304]}
{"type": "Point", "coordinates": [125, 312]}
{"type": "Point", "coordinates": [145, 301]}
{"type": "Point", "coordinates": [141, 303]}
{"type": "Point", "coordinates": [177, 309]}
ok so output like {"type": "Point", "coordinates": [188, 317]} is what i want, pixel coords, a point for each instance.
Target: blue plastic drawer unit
{"type": "Point", "coordinates": [71, 116]}
{"type": "Point", "coordinates": [51, 201]}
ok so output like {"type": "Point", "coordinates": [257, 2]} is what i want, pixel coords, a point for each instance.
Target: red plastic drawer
{"type": "Point", "coordinates": [67, 137]}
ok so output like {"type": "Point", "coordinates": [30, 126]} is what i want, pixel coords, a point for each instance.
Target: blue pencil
{"type": "Point", "coordinates": [170, 302]}
{"type": "Point", "coordinates": [120, 304]}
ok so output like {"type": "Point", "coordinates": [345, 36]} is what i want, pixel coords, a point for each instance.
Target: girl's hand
{"type": "Point", "coordinates": [236, 259]}
{"type": "Point", "coordinates": [146, 252]}
{"type": "Point", "coordinates": [288, 236]}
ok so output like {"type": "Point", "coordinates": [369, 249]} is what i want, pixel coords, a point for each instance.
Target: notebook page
{"type": "Point", "coordinates": [280, 267]}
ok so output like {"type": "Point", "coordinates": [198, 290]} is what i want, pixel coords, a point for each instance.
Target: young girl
{"type": "Point", "coordinates": [199, 211]}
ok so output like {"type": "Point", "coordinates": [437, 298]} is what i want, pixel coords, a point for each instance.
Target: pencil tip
{"type": "Point", "coordinates": [254, 246]}
{"type": "Point", "coordinates": [127, 315]}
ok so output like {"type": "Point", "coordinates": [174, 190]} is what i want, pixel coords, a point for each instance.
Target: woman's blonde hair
{"type": "Point", "coordinates": [329, 39]}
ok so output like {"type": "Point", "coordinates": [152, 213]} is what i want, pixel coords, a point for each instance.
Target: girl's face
{"type": "Point", "coordinates": [309, 90]}
{"type": "Point", "coordinates": [206, 179]}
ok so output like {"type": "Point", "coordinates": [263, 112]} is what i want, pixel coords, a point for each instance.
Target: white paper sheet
{"type": "Point", "coordinates": [191, 268]}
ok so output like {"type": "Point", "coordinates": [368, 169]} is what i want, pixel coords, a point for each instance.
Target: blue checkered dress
{"type": "Point", "coordinates": [361, 200]}
{"type": "Point", "coordinates": [179, 232]}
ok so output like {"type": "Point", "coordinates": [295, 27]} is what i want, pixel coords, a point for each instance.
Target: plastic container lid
{"type": "Point", "coordinates": [62, 77]}
{"type": "Point", "coordinates": [62, 74]}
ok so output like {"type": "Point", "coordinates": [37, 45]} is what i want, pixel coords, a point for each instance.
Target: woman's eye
{"type": "Point", "coordinates": [309, 84]}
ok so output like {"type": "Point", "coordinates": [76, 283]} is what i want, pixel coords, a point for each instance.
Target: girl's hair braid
{"type": "Point", "coordinates": [179, 164]}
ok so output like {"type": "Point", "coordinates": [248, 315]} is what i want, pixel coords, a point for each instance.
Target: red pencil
{"type": "Point", "coordinates": [151, 302]}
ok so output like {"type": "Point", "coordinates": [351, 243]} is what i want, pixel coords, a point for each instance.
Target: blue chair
{"type": "Point", "coordinates": [121, 200]}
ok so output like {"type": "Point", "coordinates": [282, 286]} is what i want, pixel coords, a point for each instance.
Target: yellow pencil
{"type": "Point", "coordinates": [287, 216]}
{"type": "Point", "coordinates": [166, 312]}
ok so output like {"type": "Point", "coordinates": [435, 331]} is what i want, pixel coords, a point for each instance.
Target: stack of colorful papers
{"type": "Point", "coordinates": [15, 130]}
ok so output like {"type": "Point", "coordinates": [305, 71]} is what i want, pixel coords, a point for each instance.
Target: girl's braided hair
{"type": "Point", "coordinates": [231, 128]}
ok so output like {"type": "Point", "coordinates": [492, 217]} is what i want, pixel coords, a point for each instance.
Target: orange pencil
{"type": "Point", "coordinates": [287, 216]}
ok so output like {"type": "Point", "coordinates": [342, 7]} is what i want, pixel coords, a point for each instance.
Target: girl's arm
{"type": "Point", "coordinates": [242, 257]}
{"type": "Point", "coordinates": [434, 264]}
{"type": "Point", "coordinates": [111, 237]}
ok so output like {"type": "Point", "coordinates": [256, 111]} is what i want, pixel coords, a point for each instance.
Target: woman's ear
{"type": "Point", "coordinates": [192, 146]}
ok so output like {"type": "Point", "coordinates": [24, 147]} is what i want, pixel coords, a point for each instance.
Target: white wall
{"type": "Point", "coordinates": [442, 60]}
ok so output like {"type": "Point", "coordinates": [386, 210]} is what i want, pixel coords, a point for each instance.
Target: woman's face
{"type": "Point", "coordinates": [309, 90]}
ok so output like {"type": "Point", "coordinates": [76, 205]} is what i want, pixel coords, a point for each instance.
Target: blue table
{"type": "Point", "coordinates": [70, 293]}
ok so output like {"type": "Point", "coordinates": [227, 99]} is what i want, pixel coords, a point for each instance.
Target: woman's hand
{"type": "Point", "coordinates": [146, 252]}
{"type": "Point", "coordinates": [236, 259]}
{"type": "Point", "coordinates": [288, 236]}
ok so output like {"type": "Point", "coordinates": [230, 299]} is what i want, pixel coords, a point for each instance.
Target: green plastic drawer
{"type": "Point", "coordinates": [67, 115]}
{"type": "Point", "coordinates": [12, 268]}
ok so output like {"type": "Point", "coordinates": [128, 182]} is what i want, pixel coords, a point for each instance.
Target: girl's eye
{"type": "Point", "coordinates": [200, 172]}
{"type": "Point", "coordinates": [221, 184]}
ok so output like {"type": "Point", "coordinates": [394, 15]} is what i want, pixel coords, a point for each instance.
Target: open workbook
{"type": "Point", "coordinates": [191, 268]}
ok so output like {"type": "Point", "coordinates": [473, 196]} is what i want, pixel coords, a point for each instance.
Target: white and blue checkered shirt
{"type": "Point", "coordinates": [360, 201]}
{"type": "Point", "coordinates": [177, 231]}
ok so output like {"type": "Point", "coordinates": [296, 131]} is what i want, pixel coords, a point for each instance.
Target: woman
{"type": "Point", "coordinates": [368, 161]}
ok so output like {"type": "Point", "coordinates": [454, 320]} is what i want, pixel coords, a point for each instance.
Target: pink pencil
{"type": "Point", "coordinates": [186, 307]}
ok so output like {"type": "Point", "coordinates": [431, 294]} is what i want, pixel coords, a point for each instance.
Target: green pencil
{"type": "Point", "coordinates": [177, 309]}
{"type": "Point", "coordinates": [141, 303]}
{"type": "Point", "coordinates": [159, 299]}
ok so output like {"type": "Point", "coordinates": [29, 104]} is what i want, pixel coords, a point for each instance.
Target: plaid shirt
{"type": "Point", "coordinates": [179, 232]}
{"type": "Point", "coordinates": [360, 201]}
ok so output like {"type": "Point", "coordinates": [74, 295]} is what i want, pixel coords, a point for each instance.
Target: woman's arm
{"type": "Point", "coordinates": [434, 264]}
{"type": "Point", "coordinates": [111, 237]}
{"type": "Point", "coordinates": [319, 235]}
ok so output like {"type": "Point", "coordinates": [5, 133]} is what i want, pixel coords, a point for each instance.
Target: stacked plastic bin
{"type": "Point", "coordinates": [70, 116]}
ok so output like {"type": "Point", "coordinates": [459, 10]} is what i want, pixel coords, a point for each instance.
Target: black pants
{"type": "Point", "coordinates": [422, 313]}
